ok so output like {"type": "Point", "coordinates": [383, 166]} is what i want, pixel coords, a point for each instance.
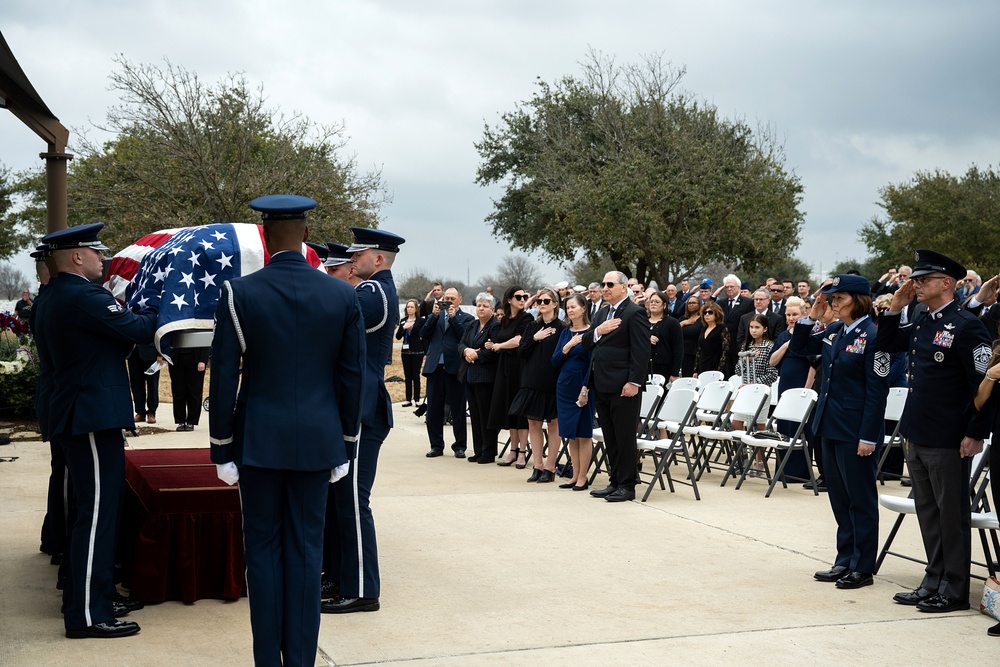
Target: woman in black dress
{"type": "Point", "coordinates": [690, 330]}
{"type": "Point", "coordinates": [506, 338]}
{"type": "Point", "coordinates": [413, 349]}
{"type": "Point", "coordinates": [536, 400]}
{"type": "Point", "coordinates": [665, 345]}
{"type": "Point", "coordinates": [713, 341]}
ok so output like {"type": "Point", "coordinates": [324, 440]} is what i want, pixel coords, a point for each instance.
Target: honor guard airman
{"type": "Point", "coordinates": [338, 263]}
{"type": "Point", "coordinates": [83, 337]}
{"type": "Point", "coordinates": [948, 351]}
{"type": "Point", "coordinates": [351, 548]}
{"type": "Point", "coordinates": [280, 430]}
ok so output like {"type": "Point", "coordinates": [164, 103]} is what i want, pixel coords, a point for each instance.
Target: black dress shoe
{"type": "Point", "coordinates": [131, 605]}
{"type": "Point", "coordinates": [473, 459]}
{"type": "Point", "coordinates": [567, 485]}
{"type": "Point", "coordinates": [912, 597]}
{"type": "Point", "coordinates": [535, 475]}
{"type": "Point", "coordinates": [855, 580]}
{"type": "Point", "coordinates": [620, 495]}
{"type": "Point", "coordinates": [605, 492]}
{"type": "Point", "coordinates": [434, 452]}
{"type": "Point", "coordinates": [905, 482]}
{"type": "Point", "coordinates": [583, 487]}
{"type": "Point", "coordinates": [459, 453]}
{"type": "Point", "coordinates": [833, 574]}
{"type": "Point", "coordinates": [994, 631]}
{"type": "Point", "coordinates": [329, 590]}
{"type": "Point", "coordinates": [482, 461]}
{"type": "Point", "coordinates": [339, 605]}
{"type": "Point", "coordinates": [546, 476]}
{"type": "Point", "coordinates": [421, 410]}
{"type": "Point", "coordinates": [105, 630]}
{"type": "Point", "coordinates": [181, 427]}
{"type": "Point", "coordinates": [941, 604]}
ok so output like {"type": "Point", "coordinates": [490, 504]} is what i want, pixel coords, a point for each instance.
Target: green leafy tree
{"type": "Point", "coordinates": [13, 233]}
{"type": "Point", "coordinates": [788, 268]}
{"type": "Point", "coordinates": [186, 153]}
{"type": "Point", "coordinates": [959, 216]}
{"type": "Point", "coordinates": [616, 163]}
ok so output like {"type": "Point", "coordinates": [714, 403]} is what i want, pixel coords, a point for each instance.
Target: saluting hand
{"type": "Point", "coordinates": [903, 296]}
{"type": "Point", "coordinates": [987, 294]}
{"type": "Point", "coordinates": [820, 306]}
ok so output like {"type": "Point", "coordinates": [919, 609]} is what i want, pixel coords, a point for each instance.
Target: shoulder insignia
{"type": "Point", "coordinates": [115, 307]}
{"type": "Point", "coordinates": [883, 362]}
{"type": "Point", "coordinates": [981, 356]}
{"type": "Point", "coordinates": [385, 304]}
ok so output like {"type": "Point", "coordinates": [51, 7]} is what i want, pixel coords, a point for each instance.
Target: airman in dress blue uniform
{"type": "Point", "coordinates": [280, 431]}
{"type": "Point", "coordinates": [849, 417]}
{"type": "Point", "coordinates": [949, 349]}
{"type": "Point", "coordinates": [83, 337]}
{"type": "Point", "coordinates": [351, 548]}
{"type": "Point", "coordinates": [338, 263]}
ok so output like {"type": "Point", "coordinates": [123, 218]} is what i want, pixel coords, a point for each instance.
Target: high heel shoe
{"type": "Point", "coordinates": [585, 486]}
{"type": "Point", "coordinates": [536, 475]}
{"type": "Point", "coordinates": [521, 466]}
{"type": "Point", "coordinates": [546, 476]}
{"type": "Point", "coordinates": [506, 464]}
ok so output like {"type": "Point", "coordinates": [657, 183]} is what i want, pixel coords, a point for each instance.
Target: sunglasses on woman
{"type": "Point", "coordinates": [544, 302]}
{"type": "Point", "coordinates": [520, 297]}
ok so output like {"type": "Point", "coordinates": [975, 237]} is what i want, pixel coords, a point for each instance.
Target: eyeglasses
{"type": "Point", "coordinates": [610, 285]}
{"type": "Point", "coordinates": [544, 302]}
{"type": "Point", "coordinates": [920, 280]}
{"type": "Point", "coordinates": [708, 312]}
{"type": "Point", "coordinates": [775, 291]}
{"type": "Point", "coordinates": [520, 297]}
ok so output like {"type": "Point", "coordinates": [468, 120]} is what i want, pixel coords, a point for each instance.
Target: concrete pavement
{"type": "Point", "coordinates": [481, 568]}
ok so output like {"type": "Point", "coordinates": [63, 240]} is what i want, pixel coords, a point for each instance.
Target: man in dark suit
{"type": "Point", "coordinates": [594, 300]}
{"type": "Point", "coordinates": [777, 305]}
{"type": "Point", "coordinates": [775, 323]}
{"type": "Point", "coordinates": [300, 337]}
{"type": "Point", "coordinates": [949, 351]}
{"type": "Point", "coordinates": [354, 552]}
{"type": "Point", "coordinates": [442, 332]}
{"type": "Point", "coordinates": [674, 305]}
{"type": "Point", "coordinates": [83, 336]}
{"type": "Point", "coordinates": [619, 337]}
{"type": "Point", "coordinates": [734, 306]}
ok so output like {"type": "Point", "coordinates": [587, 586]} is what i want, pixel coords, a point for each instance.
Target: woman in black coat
{"type": "Point", "coordinates": [477, 371]}
{"type": "Point", "coordinates": [412, 355]}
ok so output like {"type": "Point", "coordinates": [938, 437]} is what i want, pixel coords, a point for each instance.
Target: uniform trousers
{"type": "Point", "coordinates": [351, 550]}
{"type": "Point", "coordinates": [484, 439]}
{"type": "Point", "coordinates": [145, 388]}
{"type": "Point", "coordinates": [853, 492]}
{"type": "Point", "coordinates": [619, 420]}
{"type": "Point", "coordinates": [54, 525]}
{"type": "Point", "coordinates": [187, 386]}
{"type": "Point", "coordinates": [940, 478]}
{"type": "Point", "coordinates": [444, 387]}
{"type": "Point", "coordinates": [96, 463]}
{"type": "Point", "coordinates": [283, 543]}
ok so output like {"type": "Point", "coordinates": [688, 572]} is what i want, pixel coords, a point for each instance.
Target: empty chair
{"type": "Point", "coordinates": [750, 400]}
{"type": "Point", "coordinates": [656, 378]}
{"type": "Point", "coordinates": [894, 405]}
{"type": "Point", "coordinates": [795, 405]}
{"type": "Point", "coordinates": [711, 404]}
{"type": "Point", "coordinates": [711, 376]}
{"type": "Point", "coordinates": [678, 408]}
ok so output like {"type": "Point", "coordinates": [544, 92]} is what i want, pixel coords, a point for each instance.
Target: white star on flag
{"type": "Point", "coordinates": [194, 259]}
{"type": "Point", "coordinates": [187, 278]}
{"type": "Point", "coordinates": [208, 279]}
{"type": "Point", "coordinates": [224, 260]}
{"type": "Point", "coordinates": [179, 301]}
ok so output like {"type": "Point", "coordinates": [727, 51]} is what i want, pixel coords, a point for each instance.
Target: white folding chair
{"type": "Point", "coordinates": [894, 405]}
{"type": "Point", "coordinates": [907, 505]}
{"type": "Point", "coordinates": [984, 520]}
{"type": "Point", "coordinates": [709, 377]}
{"type": "Point", "coordinates": [710, 406]}
{"type": "Point", "coordinates": [656, 378]}
{"type": "Point", "coordinates": [736, 381]}
{"type": "Point", "coordinates": [685, 383]}
{"type": "Point", "coordinates": [678, 408]}
{"type": "Point", "coordinates": [794, 405]}
{"type": "Point", "coordinates": [651, 400]}
{"type": "Point", "coordinates": [749, 400]}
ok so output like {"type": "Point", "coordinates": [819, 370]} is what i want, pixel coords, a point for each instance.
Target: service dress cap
{"type": "Point", "coordinates": [283, 207]}
{"type": "Point", "coordinates": [40, 252]}
{"type": "Point", "coordinates": [81, 236]}
{"type": "Point", "coordinates": [564, 284]}
{"type": "Point", "coordinates": [705, 284]}
{"type": "Point", "coordinates": [929, 261]}
{"type": "Point", "coordinates": [320, 249]}
{"type": "Point", "coordinates": [847, 283]}
{"type": "Point", "coordinates": [336, 254]}
{"type": "Point", "coordinates": [374, 239]}
{"type": "Point", "coordinates": [744, 286]}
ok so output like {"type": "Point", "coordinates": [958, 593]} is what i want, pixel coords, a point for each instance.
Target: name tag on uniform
{"type": "Point", "coordinates": [944, 339]}
{"type": "Point", "coordinates": [829, 339]}
{"type": "Point", "coordinates": [406, 346]}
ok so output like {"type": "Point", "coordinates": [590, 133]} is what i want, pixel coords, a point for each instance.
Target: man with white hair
{"type": "Point", "coordinates": [734, 307]}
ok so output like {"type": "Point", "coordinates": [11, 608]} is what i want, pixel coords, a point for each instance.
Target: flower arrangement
{"type": "Point", "coordinates": [18, 368]}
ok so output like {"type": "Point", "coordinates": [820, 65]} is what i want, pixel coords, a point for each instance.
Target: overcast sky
{"type": "Point", "coordinates": [860, 93]}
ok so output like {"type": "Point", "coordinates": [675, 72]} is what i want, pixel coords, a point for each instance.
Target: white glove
{"type": "Point", "coordinates": [339, 472]}
{"type": "Point", "coordinates": [227, 472]}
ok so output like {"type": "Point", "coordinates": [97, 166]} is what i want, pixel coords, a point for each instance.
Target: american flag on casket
{"type": "Point", "coordinates": [183, 269]}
